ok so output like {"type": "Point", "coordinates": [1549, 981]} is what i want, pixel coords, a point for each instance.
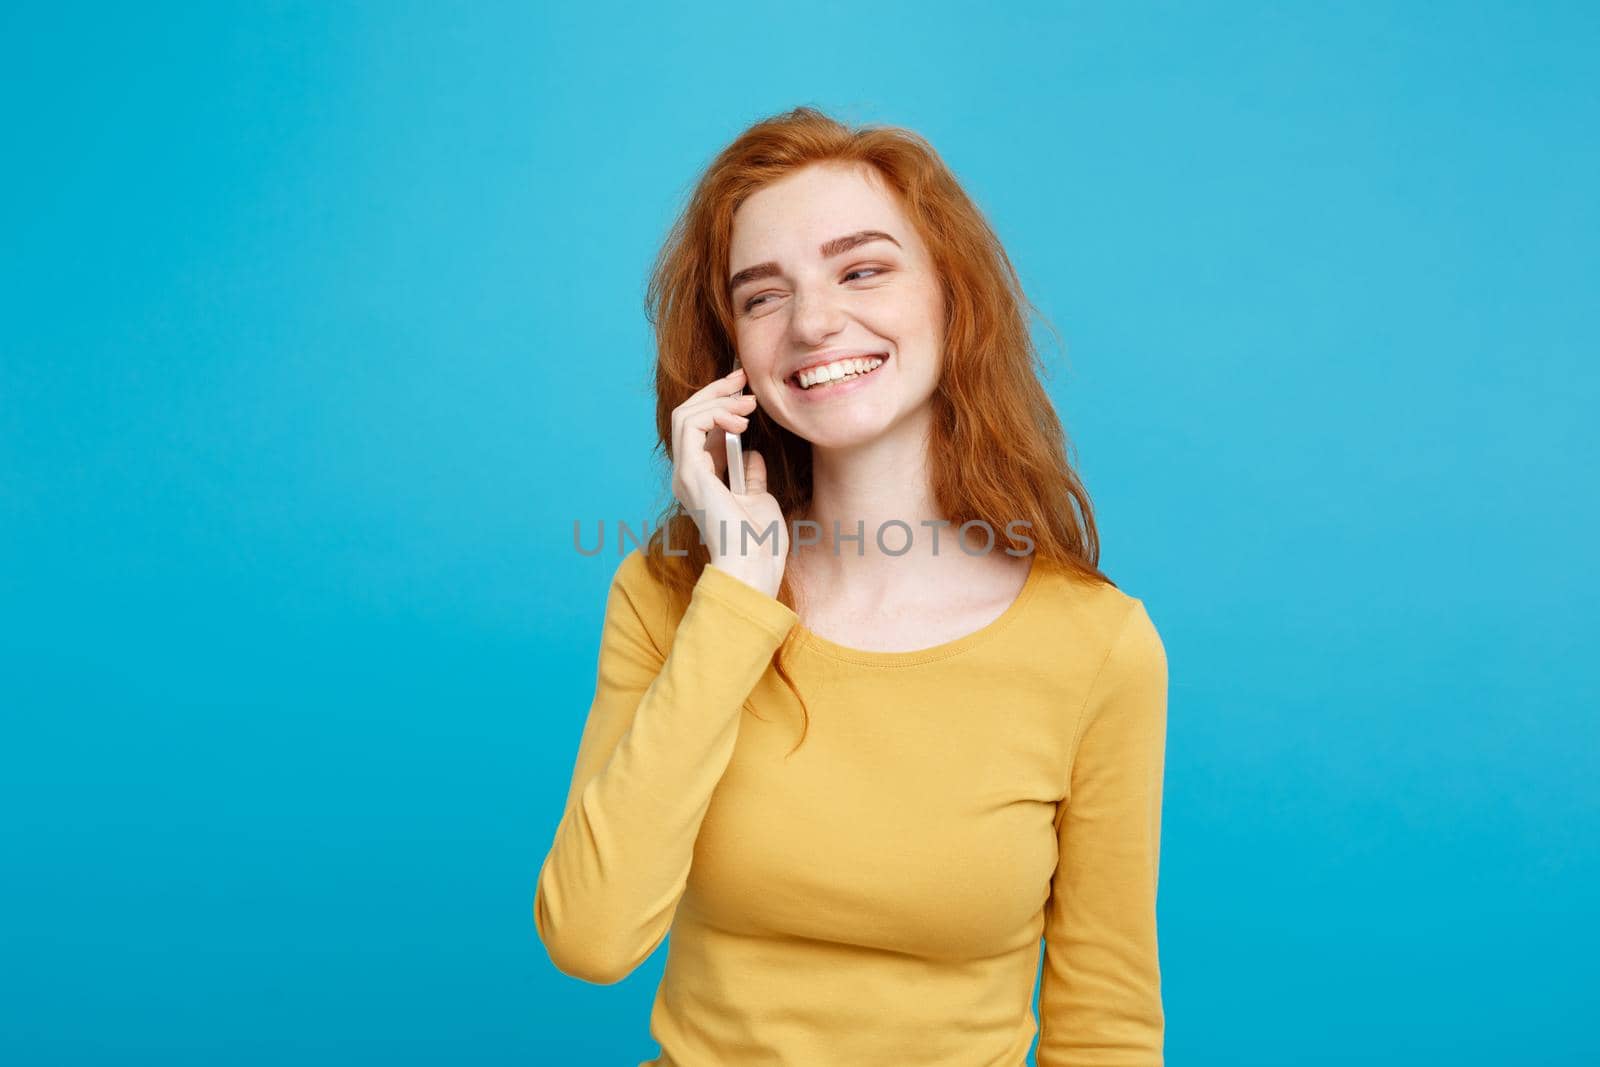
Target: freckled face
{"type": "Point", "coordinates": [880, 295]}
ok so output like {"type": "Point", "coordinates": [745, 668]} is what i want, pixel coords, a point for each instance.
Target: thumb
{"type": "Point", "coordinates": [755, 473]}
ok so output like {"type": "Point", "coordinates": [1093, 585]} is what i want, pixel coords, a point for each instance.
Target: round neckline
{"type": "Point", "coordinates": [833, 650]}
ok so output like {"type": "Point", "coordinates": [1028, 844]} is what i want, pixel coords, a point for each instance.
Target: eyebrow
{"type": "Point", "coordinates": [836, 247]}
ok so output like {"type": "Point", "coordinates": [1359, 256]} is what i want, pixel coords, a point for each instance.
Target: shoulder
{"type": "Point", "coordinates": [632, 575]}
{"type": "Point", "coordinates": [1109, 661]}
{"type": "Point", "coordinates": [635, 591]}
{"type": "Point", "coordinates": [640, 584]}
{"type": "Point", "coordinates": [1096, 611]}
{"type": "Point", "coordinates": [1095, 637]}
{"type": "Point", "coordinates": [1137, 650]}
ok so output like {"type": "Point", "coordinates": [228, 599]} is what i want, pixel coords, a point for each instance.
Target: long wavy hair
{"type": "Point", "coordinates": [997, 451]}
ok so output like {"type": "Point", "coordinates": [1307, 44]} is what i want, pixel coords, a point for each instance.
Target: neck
{"type": "Point", "coordinates": [878, 489]}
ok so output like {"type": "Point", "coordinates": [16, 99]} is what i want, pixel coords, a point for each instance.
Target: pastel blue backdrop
{"type": "Point", "coordinates": [323, 322]}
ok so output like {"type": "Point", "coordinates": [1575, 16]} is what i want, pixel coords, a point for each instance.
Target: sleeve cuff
{"type": "Point", "coordinates": [767, 612]}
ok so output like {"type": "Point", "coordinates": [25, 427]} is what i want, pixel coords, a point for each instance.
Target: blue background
{"type": "Point", "coordinates": [322, 323]}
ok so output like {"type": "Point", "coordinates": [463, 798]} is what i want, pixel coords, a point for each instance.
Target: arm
{"type": "Point", "coordinates": [1100, 995]}
{"type": "Point", "coordinates": [658, 738]}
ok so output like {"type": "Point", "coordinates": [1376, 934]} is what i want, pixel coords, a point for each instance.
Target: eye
{"type": "Point", "coordinates": [755, 301]}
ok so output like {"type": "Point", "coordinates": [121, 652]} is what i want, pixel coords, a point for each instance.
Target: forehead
{"type": "Point", "coordinates": [791, 217]}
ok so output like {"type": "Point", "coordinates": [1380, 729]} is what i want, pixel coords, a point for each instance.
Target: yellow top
{"type": "Point", "coordinates": [879, 896]}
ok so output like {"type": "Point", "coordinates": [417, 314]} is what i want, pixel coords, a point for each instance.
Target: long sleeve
{"type": "Point", "coordinates": [1100, 994]}
{"type": "Point", "coordinates": [659, 735]}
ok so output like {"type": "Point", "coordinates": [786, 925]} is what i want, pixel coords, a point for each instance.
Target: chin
{"type": "Point", "coordinates": [854, 435]}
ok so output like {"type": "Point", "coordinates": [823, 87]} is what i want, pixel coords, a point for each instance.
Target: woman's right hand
{"type": "Point", "coordinates": [699, 459]}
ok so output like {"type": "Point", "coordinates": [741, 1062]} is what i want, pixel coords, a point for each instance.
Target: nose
{"type": "Point", "coordinates": [818, 315]}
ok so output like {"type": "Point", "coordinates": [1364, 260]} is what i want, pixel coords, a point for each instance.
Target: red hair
{"type": "Point", "coordinates": [997, 451]}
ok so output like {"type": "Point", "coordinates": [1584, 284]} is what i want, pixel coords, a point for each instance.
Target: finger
{"type": "Point", "coordinates": [692, 412]}
{"type": "Point", "coordinates": [726, 401]}
{"type": "Point", "coordinates": [698, 426]}
{"type": "Point", "coordinates": [696, 431]}
{"type": "Point", "coordinates": [727, 385]}
{"type": "Point", "coordinates": [717, 446]}
{"type": "Point", "coordinates": [755, 473]}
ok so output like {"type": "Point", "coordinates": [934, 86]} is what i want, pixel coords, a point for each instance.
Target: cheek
{"type": "Point", "coordinates": [932, 326]}
{"type": "Point", "coordinates": [912, 314]}
{"type": "Point", "coordinates": [757, 354]}
{"type": "Point", "coordinates": [933, 307]}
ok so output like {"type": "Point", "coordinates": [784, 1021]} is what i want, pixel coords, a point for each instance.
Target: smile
{"type": "Point", "coordinates": [845, 370]}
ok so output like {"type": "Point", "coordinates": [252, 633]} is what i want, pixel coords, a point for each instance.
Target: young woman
{"type": "Point", "coordinates": [858, 769]}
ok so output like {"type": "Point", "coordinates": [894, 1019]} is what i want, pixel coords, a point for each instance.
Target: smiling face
{"type": "Point", "coordinates": [824, 265]}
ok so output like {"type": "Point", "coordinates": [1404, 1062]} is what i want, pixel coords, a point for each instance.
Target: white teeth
{"type": "Point", "coordinates": [845, 368]}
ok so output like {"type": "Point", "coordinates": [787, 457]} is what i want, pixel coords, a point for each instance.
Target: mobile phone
{"type": "Point", "coordinates": [734, 444]}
